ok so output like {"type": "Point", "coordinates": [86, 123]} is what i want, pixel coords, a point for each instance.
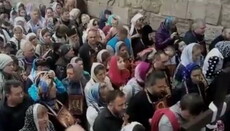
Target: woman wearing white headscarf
{"type": "Point", "coordinates": [22, 22]}
{"type": "Point", "coordinates": [36, 119]}
{"type": "Point", "coordinates": [190, 54]}
{"type": "Point", "coordinates": [19, 37]}
{"type": "Point", "coordinates": [136, 33]}
{"type": "Point", "coordinates": [214, 61]}
{"type": "Point", "coordinates": [6, 70]}
{"type": "Point", "coordinates": [75, 15]}
{"type": "Point", "coordinates": [93, 23]}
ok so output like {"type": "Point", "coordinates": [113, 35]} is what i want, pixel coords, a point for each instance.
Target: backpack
{"type": "Point", "coordinates": [169, 114]}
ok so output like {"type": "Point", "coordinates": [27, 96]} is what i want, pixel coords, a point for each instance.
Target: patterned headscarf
{"type": "Point", "coordinates": [224, 48]}
{"type": "Point", "coordinates": [31, 120]}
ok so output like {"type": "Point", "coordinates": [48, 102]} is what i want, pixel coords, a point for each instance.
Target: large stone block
{"type": "Point", "coordinates": [213, 12]}
{"type": "Point", "coordinates": [155, 20]}
{"type": "Point", "coordinates": [176, 8]}
{"type": "Point", "coordinates": [183, 25]}
{"type": "Point", "coordinates": [152, 6]}
{"type": "Point", "coordinates": [196, 9]}
{"type": "Point", "coordinates": [212, 32]}
{"type": "Point", "coordinates": [135, 3]}
{"type": "Point", "coordinates": [225, 15]}
{"type": "Point", "coordinates": [35, 2]}
{"type": "Point", "coordinates": [123, 12]}
{"type": "Point", "coordinates": [95, 8]}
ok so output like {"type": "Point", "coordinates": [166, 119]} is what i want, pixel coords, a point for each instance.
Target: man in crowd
{"type": "Point", "coordinates": [110, 119]}
{"type": "Point", "coordinates": [74, 40]}
{"type": "Point", "coordinates": [196, 34]}
{"type": "Point", "coordinates": [13, 107]}
{"type": "Point", "coordinates": [66, 53]}
{"type": "Point", "coordinates": [190, 106]}
{"type": "Point", "coordinates": [142, 106]}
{"type": "Point", "coordinates": [225, 36]}
{"type": "Point", "coordinates": [88, 51]}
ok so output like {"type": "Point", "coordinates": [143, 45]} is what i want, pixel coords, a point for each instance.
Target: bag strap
{"type": "Point", "coordinates": [173, 120]}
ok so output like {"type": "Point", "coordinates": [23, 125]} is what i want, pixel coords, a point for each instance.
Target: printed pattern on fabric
{"type": "Point", "coordinates": [212, 64]}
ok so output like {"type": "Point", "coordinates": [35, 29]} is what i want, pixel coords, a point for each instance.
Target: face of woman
{"type": "Point", "coordinates": [49, 13]}
{"type": "Point", "coordinates": [114, 22]}
{"type": "Point", "coordinates": [196, 76]}
{"type": "Point", "coordinates": [123, 50]}
{"type": "Point", "coordinates": [80, 63]}
{"type": "Point", "coordinates": [43, 119]}
{"type": "Point", "coordinates": [9, 69]}
{"type": "Point", "coordinates": [18, 33]}
{"type": "Point", "coordinates": [121, 64]}
{"type": "Point", "coordinates": [47, 37]}
{"type": "Point", "coordinates": [101, 75]}
{"type": "Point", "coordinates": [196, 55]}
{"type": "Point", "coordinates": [181, 46]}
{"type": "Point", "coordinates": [58, 9]}
{"type": "Point", "coordinates": [104, 92]}
{"type": "Point", "coordinates": [95, 23]}
{"type": "Point", "coordinates": [140, 22]}
{"type": "Point", "coordinates": [22, 13]}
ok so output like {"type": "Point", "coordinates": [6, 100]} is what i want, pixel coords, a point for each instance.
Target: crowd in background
{"type": "Point", "coordinates": [61, 69]}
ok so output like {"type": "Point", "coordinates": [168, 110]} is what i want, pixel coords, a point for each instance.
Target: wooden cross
{"type": "Point", "coordinates": [220, 96]}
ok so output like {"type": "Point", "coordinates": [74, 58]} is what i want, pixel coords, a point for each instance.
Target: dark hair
{"type": "Point", "coordinates": [112, 95]}
{"type": "Point", "coordinates": [10, 84]}
{"type": "Point", "coordinates": [62, 28]}
{"type": "Point", "coordinates": [138, 127]}
{"type": "Point", "coordinates": [158, 53]}
{"type": "Point", "coordinates": [64, 10]}
{"type": "Point", "coordinates": [176, 44]}
{"type": "Point", "coordinates": [44, 31]}
{"type": "Point", "coordinates": [49, 8]}
{"type": "Point", "coordinates": [56, 46]}
{"type": "Point", "coordinates": [105, 56]}
{"type": "Point", "coordinates": [15, 59]}
{"type": "Point", "coordinates": [98, 68]}
{"type": "Point", "coordinates": [193, 103]}
{"type": "Point", "coordinates": [153, 77]}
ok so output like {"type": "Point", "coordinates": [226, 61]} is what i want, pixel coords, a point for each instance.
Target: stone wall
{"type": "Point", "coordinates": [215, 12]}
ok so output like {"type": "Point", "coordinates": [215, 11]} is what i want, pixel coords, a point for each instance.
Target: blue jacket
{"type": "Point", "coordinates": [33, 90]}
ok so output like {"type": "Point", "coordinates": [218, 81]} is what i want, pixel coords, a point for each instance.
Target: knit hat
{"type": "Point", "coordinates": [64, 49]}
{"type": "Point", "coordinates": [71, 32]}
{"type": "Point", "coordinates": [4, 60]}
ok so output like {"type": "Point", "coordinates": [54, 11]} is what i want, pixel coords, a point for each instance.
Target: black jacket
{"type": "Point", "coordinates": [215, 41]}
{"type": "Point", "coordinates": [105, 121]}
{"type": "Point", "coordinates": [89, 55]}
{"type": "Point", "coordinates": [12, 118]}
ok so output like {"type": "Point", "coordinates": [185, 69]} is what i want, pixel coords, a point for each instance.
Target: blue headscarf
{"type": "Point", "coordinates": [109, 21]}
{"type": "Point", "coordinates": [168, 22]}
{"type": "Point", "coordinates": [188, 70]}
{"type": "Point", "coordinates": [93, 96]}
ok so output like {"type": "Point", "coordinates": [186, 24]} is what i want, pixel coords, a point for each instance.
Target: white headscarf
{"type": "Point", "coordinates": [30, 35]}
{"type": "Point", "coordinates": [186, 56]}
{"type": "Point", "coordinates": [133, 22]}
{"type": "Point", "coordinates": [99, 55]}
{"type": "Point", "coordinates": [75, 12]}
{"type": "Point", "coordinates": [130, 126]}
{"type": "Point", "coordinates": [22, 19]}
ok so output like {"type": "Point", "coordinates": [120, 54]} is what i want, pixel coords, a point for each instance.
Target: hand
{"type": "Point", "coordinates": [125, 119]}
{"type": "Point", "coordinates": [51, 74]}
{"type": "Point", "coordinates": [173, 35]}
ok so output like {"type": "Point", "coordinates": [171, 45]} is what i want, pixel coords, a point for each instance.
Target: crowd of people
{"type": "Point", "coordinates": [61, 69]}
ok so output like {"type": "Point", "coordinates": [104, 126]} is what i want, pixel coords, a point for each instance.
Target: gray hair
{"type": "Point", "coordinates": [197, 23]}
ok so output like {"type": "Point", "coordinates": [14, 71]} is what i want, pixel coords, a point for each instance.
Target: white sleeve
{"type": "Point", "coordinates": [164, 124]}
{"type": "Point", "coordinates": [91, 115]}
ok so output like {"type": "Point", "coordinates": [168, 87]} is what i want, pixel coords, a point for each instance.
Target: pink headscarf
{"type": "Point", "coordinates": [141, 70]}
{"type": "Point", "coordinates": [118, 77]}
